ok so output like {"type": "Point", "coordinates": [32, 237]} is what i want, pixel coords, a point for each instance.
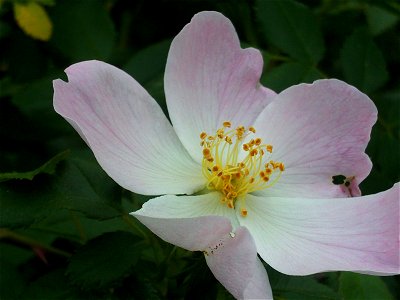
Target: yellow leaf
{"type": "Point", "coordinates": [33, 20]}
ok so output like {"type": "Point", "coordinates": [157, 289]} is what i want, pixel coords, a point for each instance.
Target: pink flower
{"type": "Point", "coordinates": [256, 167]}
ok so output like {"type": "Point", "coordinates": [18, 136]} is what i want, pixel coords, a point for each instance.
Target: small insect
{"type": "Point", "coordinates": [344, 181]}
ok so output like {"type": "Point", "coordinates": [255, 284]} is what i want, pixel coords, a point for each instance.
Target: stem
{"type": "Point", "coordinates": [6, 233]}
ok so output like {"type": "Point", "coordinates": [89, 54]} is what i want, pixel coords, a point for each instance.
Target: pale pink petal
{"type": "Point", "coordinates": [318, 130]}
{"type": "Point", "coordinates": [126, 129]}
{"type": "Point", "coordinates": [259, 287]}
{"type": "Point", "coordinates": [300, 236]}
{"type": "Point", "coordinates": [209, 79]}
{"type": "Point", "coordinates": [190, 222]}
{"type": "Point", "coordinates": [234, 262]}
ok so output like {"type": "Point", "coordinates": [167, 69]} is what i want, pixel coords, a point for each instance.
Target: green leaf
{"type": "Point", "coordinates": [25, 59]}
{"type": "Point", "coordinates": [82, 30]}
{"type": "Point", "coordinates": [104, 260]}
{"type": "Point", "coordinates": [53, 285]}
{"type": "Point", "coordinates": [48, 167]}
{"type": "Point", "coordinates": [288, 74]}
{"type": "Point", "coordinates": [5, 29]}
{"type": "Point", "coordinates": [147, 67]}
{"type": "Point", "coordinates": [76, 186]}
{"type": "Point", "coordinates": [379, 19]}
{"type": "Point", "coordinates": [354, 286]}
{"type": "Point", "coordinates": [77, 227]}
{"type": "Point", "coordinates": [149, 62]}
{"type": "Point", "coordinates": [35, 100]}
{"type": "Point", "coordinates": [388, 104]}
{"type": "Point", "coordinates": [11, 281]}
{"type": "Point", "coordinates": [32, 18]}
{"type": "Point", "coordinates": [291, 27]}
{"type": "Point", "coordinates": [298, 287]}
{"type": "Point", "coordinates": [362, 62]}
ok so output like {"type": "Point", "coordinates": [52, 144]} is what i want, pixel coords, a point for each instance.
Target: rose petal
{"type": "Point", "coordinates": [234, 262]}
{"type": "Point", "coordinates": [126, 129]}
{"type": "Point", "coordinates": [209, 79]}
{"type": "Point", "coordinates": [259, 286]}
{"type": "Point", "coordinates": [190, 222]}
{"type": "Point", "coordinates": [303, 236]}
{"type": "Point", "coordinates": [318, 131]}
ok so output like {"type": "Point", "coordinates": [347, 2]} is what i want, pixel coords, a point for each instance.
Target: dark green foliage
{"type": "Point", "coordinates": [48, 167]}
{"type": "Point", "coordinates": [363, 287]}
{"type": "Point", "coordinates": [65, 228]}
{"type": "Point", "coordinates": [83, 30]}
{"type": "Point", "coordinates": [104, 260]}
{"type": "Point", "coordinates": [24, 203]}
{"type": "Point", "coordinates": [290, 73]}
{"type": "Point", "coordinates": [363, 63]}
{"type": "Point", "coordinates": [292, 27]}
{"type": "Point", "coordinates": [299, 287]}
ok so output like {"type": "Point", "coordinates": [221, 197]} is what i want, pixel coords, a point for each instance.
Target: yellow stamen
{"type": "Point", "coordinates": [254, 152]}
{"type": "Point", "coordinates": [227, 124]}
{"type": "Point", "coordinates": [243, 212]}
{"type": "Point", "coordinates": [234, 178]}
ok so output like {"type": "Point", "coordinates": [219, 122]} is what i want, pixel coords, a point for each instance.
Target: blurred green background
{"type": "Point", "coordinates": [64, 225]}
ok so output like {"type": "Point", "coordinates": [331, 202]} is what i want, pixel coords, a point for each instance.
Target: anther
{"type": "Point", "coordinates": [220, 133]}
{"type": "Point", "coordinates": [227, 124]}
{"type": "Point", "coordinates": [232, 177]}
{"type": "Point", "coordinates": [206, 152]}
{"type": "Point", "coordinates": [215, 168]}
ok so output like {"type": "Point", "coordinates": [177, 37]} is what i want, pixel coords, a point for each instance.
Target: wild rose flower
{"type": "Point", "coordinates": [256, 167]}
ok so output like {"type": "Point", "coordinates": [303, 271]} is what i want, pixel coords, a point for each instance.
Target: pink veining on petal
{"type": "Point", "coordinates": [209, 79]}
{"type": "Point", "coordinates": [126, 129]}
{"type": "Point", "coordinates": [201, 223]}
{"type": "Point", "coordinates": [190, 222]}
{"type": "Point", "coordinates": [301, 236]}
{"type": "Point", "coordinates": [234, 262]}
{"type": "Point", "coordinates": [318, 131]}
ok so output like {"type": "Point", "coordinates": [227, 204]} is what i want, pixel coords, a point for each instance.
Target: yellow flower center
{"type": "Point", "coordinates": [232, 175]}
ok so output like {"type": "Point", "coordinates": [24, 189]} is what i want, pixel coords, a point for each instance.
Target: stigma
{"type": "Point", "coordinates": [235, 168]}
